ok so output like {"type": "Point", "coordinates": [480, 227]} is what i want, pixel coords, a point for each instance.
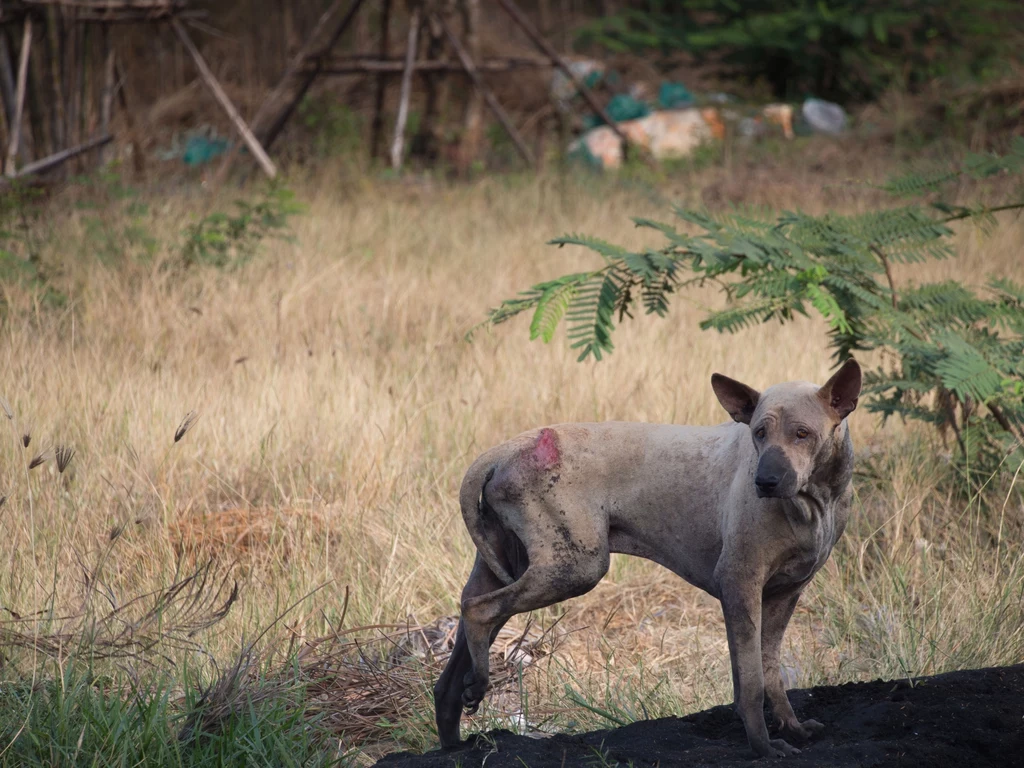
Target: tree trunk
{"type": "Point", "coordinates": [8, 89]}
{"type": "Point", "coordinates": [19, 96]}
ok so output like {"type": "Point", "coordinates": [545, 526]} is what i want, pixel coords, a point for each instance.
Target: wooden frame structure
{"type": "Point", "coordinates": [65, 92]}
{"type": "Point", "coordinates": [315, 59]}
{"type": "Point", "coordinates": [66, 139]}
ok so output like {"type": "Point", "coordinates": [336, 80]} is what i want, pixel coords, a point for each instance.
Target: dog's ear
{"type": "Point", "coordinates": [842, 391]}
{"type": "Point", "coordinates": [738, 399]}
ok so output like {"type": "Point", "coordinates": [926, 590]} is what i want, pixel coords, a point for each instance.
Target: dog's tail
{"type": "Point", "coordinates": [500, 549]}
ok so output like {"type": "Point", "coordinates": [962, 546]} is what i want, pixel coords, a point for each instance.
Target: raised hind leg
{"type": "Point", "coordinates": [543, 583]}
{"type": "Point", "coordinates": [449, 686]}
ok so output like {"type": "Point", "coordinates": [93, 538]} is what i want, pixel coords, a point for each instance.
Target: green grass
{"type": "Point", "coordinates": [71, 717]}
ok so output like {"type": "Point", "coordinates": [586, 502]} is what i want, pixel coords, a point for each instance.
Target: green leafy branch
{"type": "Point", "coordinates": [955, 357]}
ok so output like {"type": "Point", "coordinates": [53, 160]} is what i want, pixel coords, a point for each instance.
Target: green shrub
{"type": "Point", "coordinates": [231, 239]}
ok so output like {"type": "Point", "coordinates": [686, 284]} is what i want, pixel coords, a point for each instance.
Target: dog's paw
{"type": "Point", "coordinates": [804, 731]}
{"type": "Point", "coordinates": [470, 703]}
{"type": "Point", "coordinates": [781, 748]}
{"type": "Point", "coordinates": [473, 693]}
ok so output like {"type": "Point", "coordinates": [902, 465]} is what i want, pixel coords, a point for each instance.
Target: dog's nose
{"type": "Point", "coordinates": [766, 483]}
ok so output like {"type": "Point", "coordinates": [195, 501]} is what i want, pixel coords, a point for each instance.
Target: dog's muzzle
{"type": "Point", "coordinates": [775, 477]}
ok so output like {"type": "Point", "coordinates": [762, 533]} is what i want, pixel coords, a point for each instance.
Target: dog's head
{"type": "Point", "coordinates": [794, 426]}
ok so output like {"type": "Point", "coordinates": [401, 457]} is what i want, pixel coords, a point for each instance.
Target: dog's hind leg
{"type": "Point", "coordinates": [449, 686]}
{"type": "Point", "coordinates": [776, 612]}
{"type": "Point", "coordinates": [448, 691]}
{"type": "Point", "coordinates": [544, 583]}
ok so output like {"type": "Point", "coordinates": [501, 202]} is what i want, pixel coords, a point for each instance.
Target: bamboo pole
{"type": "Point", "coordinates": [218, 93]}
{"type": "Point", "coordinates": [364, 65]}
{"type": "Point", "coordinates": [19, 98]}
{"type": "Point", "coordinates": [377, 129]}
{"type": "Point", "coordinates": [7, 85]}
{"type": "Point", "coordinates": [485, 92]}
{"type": "Point", "coordinates": [56, 159]}
{"type": "Point", "coordinates": [107, 98]}
{"type": "Point", "coordinates": [397, 144]}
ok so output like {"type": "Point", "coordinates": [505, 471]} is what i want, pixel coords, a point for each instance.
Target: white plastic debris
{"type": "Point", "coordinates": [824, 116]}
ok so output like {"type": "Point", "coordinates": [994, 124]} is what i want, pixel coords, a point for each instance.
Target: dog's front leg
{"type": "Point", "coordinates": [741, 605]}
{"type": "Point", "coordinates": [776, 612]}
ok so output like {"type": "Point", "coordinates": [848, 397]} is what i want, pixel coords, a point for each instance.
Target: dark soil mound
{"type": "Point", "coordinates": [960, 719]}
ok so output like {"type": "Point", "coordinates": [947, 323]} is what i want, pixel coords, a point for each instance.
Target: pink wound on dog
{"type": "Point", "coordinates": [545, 450]}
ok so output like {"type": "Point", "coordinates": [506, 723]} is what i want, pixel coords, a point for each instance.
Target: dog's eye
{"type": "Point", "coordinates": [760, 433]}
{"type": "Point", "coordinates": [802, 433]}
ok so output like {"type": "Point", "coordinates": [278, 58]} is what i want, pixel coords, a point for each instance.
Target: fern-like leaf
{"type": "Point", "coordinates": [591, 315]}
{"type": "Point", "coordinates": [552, 305]}
{"type": "Point", "coordinates": [603, 248]}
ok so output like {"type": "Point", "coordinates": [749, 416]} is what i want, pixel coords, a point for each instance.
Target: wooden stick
{"type": "Point", "coordinates": [19, 98]}
{"type": "Point", "coordinates": [218, 93]}
{"type": "Point", "coordinates": [94, 11]}
{"type": "Point", "coordinates": [377, 129]}
{"type": "Point", "coordinates": [279, 105]}
{"type": "Point", "coordinates": [107, 99]}
{"type": "Point", "coordinates": [524, 23]}
{"type": "Point", "coordinates": [51, 162]}
{"type": "Point", "coordinates": [7, 86]}
{"type": "Point", "coordinates": [138, 158]}
{"type": "Point", "coordinates": [488, 96]}
{"type": "Point", "coordinates": [403, 101]}
{"type": "Point", "coordinates": [365, 65]}
{"type": "Point", "coordinates": [113, 6]}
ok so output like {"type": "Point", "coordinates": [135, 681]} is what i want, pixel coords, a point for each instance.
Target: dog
{"type": "Point", "coordinates": [748, 511]}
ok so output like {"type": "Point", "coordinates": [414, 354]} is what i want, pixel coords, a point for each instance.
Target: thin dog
{"type": "Point", "coordinates": [747, 511]}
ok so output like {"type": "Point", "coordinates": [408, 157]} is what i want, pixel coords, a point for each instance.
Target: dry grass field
{"type": "Point", "coordinates": [338, 406]}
